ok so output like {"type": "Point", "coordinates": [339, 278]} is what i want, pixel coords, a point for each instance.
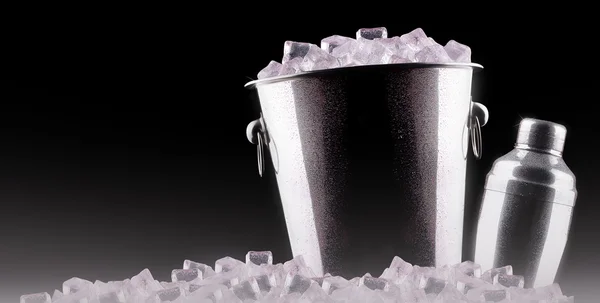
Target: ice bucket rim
{"type": "Point", "coordinates": [254, 83]}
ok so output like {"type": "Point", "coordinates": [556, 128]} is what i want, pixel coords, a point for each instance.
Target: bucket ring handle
{"type": "Point", "coordinates": [479, 116]}
{"type": "Point", "coordinates": [255, 132]}
{"type": "Point", "coordinates": [476, 141]}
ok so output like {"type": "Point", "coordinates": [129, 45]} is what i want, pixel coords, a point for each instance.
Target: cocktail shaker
{"type": "Point", "coordinates": [527, 205]}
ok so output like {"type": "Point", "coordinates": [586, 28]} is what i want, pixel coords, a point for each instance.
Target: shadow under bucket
{"type": "Point", "coordinates": [371, 162]}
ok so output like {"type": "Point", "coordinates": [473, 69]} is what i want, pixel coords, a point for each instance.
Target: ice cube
{"type": "Point", "coordinates": [374, 283]}
{"type": "Point", "coordinates": [114, 296]}
{"type": "Point", "coordinates": [450, 294]}
{"type": "Point", "coordinates": [212, 292]}
{"type": "Point", "coordinates": [187, 275]}
{"type": "Point", "coordinates": [466, 283]}
{"type": "Point", "coordinates": [371, 33]}
{"type": "Point", "coordinates": [495, 295]}
{"type": "Point", "coordinates": [330, 43]}
{"type": "Point", "coordinates": [206, 270]}
{"type": "Point", "coordinates": [57, 295]}
{"type": "Point", "coordinates": [247, 290]}
{"type": "Point", "coordinates": [143, 283]}
{"type": "Point", "coordinates": [317, 59]}
{"type": "Point", "coordinates": [398, 271]}
{"type": "Point", "coordinates": [432, 285]}
{"type": "Point", "coordinates": [227, 264]}
{"type": "Point", "coordinates": [298, 266]}
{"type": "Point", "coordinates": [266, 282]}
{"type": "Point", "coordinates": [292, 49]}
{"type": "Point", "coordinates": [344, 53]}
{"type": "Point", "coordinates": [398, 49]}
{"type": "Point", "coordinates": [468, 268]}
{"type": "Point", "coordinates": [291, 67]}
{"type": "Point", "coordinates": [458, 52]}
{"type": "Point", "coordinates": [43, 297]}
{"type": "Point", "coordinates": [229, 279]}
{"type": "Point", "coordinates": [314, 293]}
{"type": "Point", "coordinates": [271, 70]}
{"type": "Point", "coordinates": [170, 294]}
{"type": "Point", "coordinates": [74, 285]}
{"type": "Point", "coordinates": [331, 284]}
{"type": "Point", "coordinates": [295, 283]}
{"type": "Point", "coordinates": [259, 257]}
{"type": "Point", "coordinates": [416, 40]}
{"type": "Point", "coordinates": [433, 54]}
{"type": "Point", "coordinates": [509, 280]}
{"type": "Point", "coordinates": [489, 275]}
{"type": "Point", "coordinates": [371, 52]}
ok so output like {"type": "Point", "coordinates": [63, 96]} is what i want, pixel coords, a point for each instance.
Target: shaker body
{"type": "Point", "coordinates": [528, 234]}
{"type": "Point", "coordinates": [527, 206]}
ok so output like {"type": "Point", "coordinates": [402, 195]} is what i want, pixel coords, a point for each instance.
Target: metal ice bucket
{"type": "Point", "coordinates": [371, 161]}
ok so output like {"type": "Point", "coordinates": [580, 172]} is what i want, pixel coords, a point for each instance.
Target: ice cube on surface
{"type": "Point", "coordinates": [187, 275]}
{"type": "Point", "coordinates": [74, 285]}
{"type": "Point", "coordinates": [331, 284]}
{"type": "Point", "coordinates": [259, 257]}
{"type": "Point", "coordinates": [495, 295]}
{"type": "Point", "coordinates": [271, 70]}
{"type": "Point", "coordinates": [169, 294]}
{"type": "Point", "coordinates": [465, 283]}
{"type": "Point", "coordinates": [115, 296]}
{"type": "Point", "coordinates": [43, 297]}
{"type": "Point", "coordinates": [206, 270]}
{"type": "Point", "coordinates": [374, 283]}
{"type": "Point", "coordinates": [468, 268]}
{"type": "Point", "coordinates": [398, 271]}
{"type": "Point", "coordinates": [227, 264]}
{"type": "Point", "coordinates": [298, 266]}
{"type": "Point", "coordinates": [247, 290]}
{"type": "Point", "coordinates": [432, 285]}
{"type": "Point", "coordinates": [489, 274]}
{"type": "Point", "coordinates": [144, 283]}
{"type": "Point", "coordinates": [509, 280]}
{"type": "Point", "coordinates": [57, 295]}
{"type": "Point", "coordinates": [293, 282]}
{"type": "Point", "coordinates": [330, 43]}
{"type": "Point", "coordinates": [458, 52]}
{"type": "Point", "coordinates": [371, 33]}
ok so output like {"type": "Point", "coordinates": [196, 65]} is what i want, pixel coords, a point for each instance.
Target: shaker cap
{"type": "Point", "coordinates": [540, 135]}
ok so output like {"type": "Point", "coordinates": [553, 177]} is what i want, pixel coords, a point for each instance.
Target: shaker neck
{"type": "Point", "coordinates": [548, 151]}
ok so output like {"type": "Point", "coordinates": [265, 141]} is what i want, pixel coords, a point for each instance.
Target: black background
{"type": "Point", "coordinates": [124, 146]}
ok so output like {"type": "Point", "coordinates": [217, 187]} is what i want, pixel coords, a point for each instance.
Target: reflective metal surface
{"type": "Point", "coordinates": [527, 206]}
{"type": "Point", "coordinates": [370, 162]}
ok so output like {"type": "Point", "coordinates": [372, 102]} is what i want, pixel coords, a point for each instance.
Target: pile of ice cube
{"type": "Point", "coordinates": [259, 280]}
{"type": "Point", "coordinates": [371, 46]}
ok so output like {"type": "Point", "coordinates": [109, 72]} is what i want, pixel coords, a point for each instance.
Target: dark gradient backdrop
{"type": "Point", "coordinates": [124, 147]}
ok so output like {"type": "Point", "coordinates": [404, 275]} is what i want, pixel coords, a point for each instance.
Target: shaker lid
{"type": "Point", "coordinates": [541, 135]}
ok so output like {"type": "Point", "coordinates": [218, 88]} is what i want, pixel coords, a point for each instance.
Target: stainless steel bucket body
{"type": "Point", "coordinates": [371, 161]}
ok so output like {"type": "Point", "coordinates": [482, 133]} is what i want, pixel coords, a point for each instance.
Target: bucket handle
{"type": "Point", "coordinates": [478, 117]}
{"type": "Point", "coordinates": [256, 133]}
